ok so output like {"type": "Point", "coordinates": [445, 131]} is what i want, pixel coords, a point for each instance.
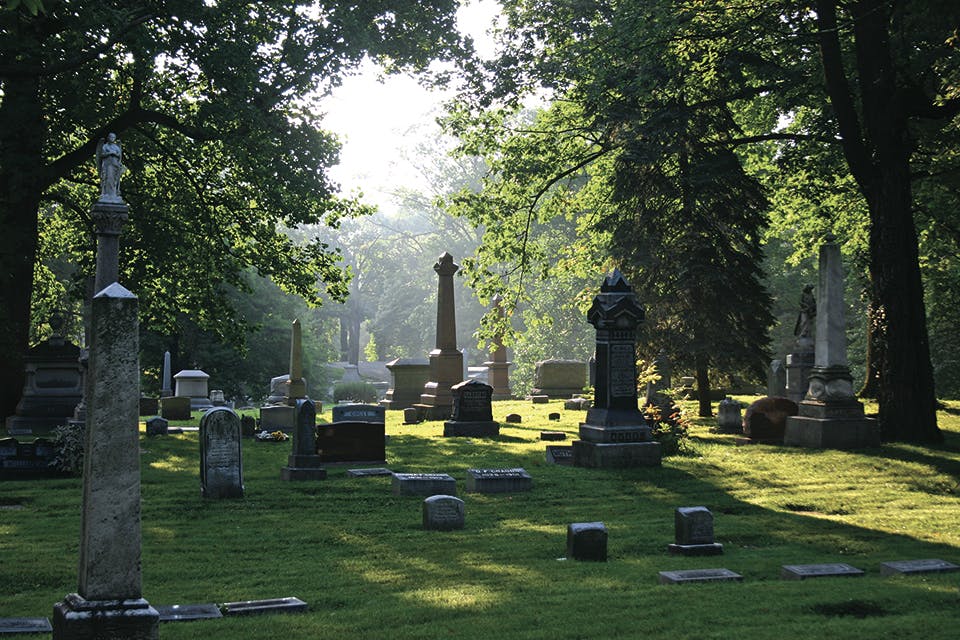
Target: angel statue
{"type": "Point", "coordinates": [808, 313]}
{"type": "Point", "coordinates": [109, 167]}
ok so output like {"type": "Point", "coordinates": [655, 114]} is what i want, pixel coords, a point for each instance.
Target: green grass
{"type": "Point", "coordinates": [359, 557]}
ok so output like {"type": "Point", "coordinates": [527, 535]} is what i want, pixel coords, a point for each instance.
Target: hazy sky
{"type": "Point", "coordinates": [376, 117]}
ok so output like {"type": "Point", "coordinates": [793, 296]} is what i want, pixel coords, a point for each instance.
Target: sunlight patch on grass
{"type": "Point", "coordinates": [461, 597]}
{"type": "Point", "coordinates": [498, 568]}
{"type": "Point", "coordinates": [526, 525]}
{"type": "Point", "coordinates": [164, 534]}
{"type": "Point", "coordinates": [173, 463]}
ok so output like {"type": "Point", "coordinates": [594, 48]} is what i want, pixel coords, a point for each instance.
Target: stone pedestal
{"type": "Point", "coordinates": [446, 361]}
{"type": "Point", "coordinates": [76, 618]}
{"type": "Point", "coordinates": [193, 384]}
{"type": "Point", "coordinates": [304, 463]}
{"type": "Point", "coordinates": [559, 378]}
{"type": "Point", "coordinates": [408, 377]}
{"type": "Point", "coordinates": [799, 365]}
{"type": "Point", "coordinates": [52, 389]}
{"type": "Point", "coordinates": [615, 433]}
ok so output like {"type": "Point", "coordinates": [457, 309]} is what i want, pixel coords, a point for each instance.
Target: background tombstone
{"type": "Point", "coordinates": [472, 411]}
{"type": "Point", "coordinates": [175, 408]}
{"type": "Point", "coordinates": [279, 414]}
{"type": "Point", "coordinates": [221, 462]}
{"type": "Point", "coordinates": [830, 417]}
{"type": "Point", "coordinates": [109, 602]}
{"type": "Point", "coordinates": [728, 416]}
{"type": "Point", "coordinates": [777, 379]}
{"type": "Point", "coordinates": [446, 361]}
{"type": "Point", "coordinates": [587, 541]}
{"type": "Point", "coordinates": [443, 513]}
{"type": "Point", "coordinates": [615, 433]}
{"type": "Point", "coordinates": [693, 533]}
{"type": "Point", "coordinates": [358, 413]}
{"type": "Point", "coordinates": [167, 389]}
{"type": "Point", "coordinates": [766, 419]}
{"type": "Point", "coordinates": [304, 463]}
{"type": "Point", "coordinates": [498, 368]}
{"type": "Point", "coordinates": [193, 384]}
{"type": "Point", "coordinates": [559, 378]}
{"type": "Point", "coordinates": [408, 376]}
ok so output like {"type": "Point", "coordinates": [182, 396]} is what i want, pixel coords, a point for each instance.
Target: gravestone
{"type": "Point", "coordinates": [369, 473]}
{"type": "Point", "coordinates": [221, 462]}
{"type": "Point", "coordinates": [423, 484]}
{"type": "Point", "coordinates": [278, 417]}
{"type": "Point", "coordinates": [911, 567]}
{"type": "Point", "coordinates": [149, 406]}
{"type": "Point", "coordinates": [352, 443]}
{"type": "Point", "coordinates": [513, 418]}
{"type": "Point", "coordinates": [446, 361]}
{"type": "Point", "coordinates": [358, 413]}
{"type": "Point", "coordinates": [192, 383]}
{"type": "Point", "coordinates": [766, 419]}
{"type": "Point", "coordinates": [217, 398]}
{"type": "Point", "coordinates": [829, 570]}
{"type": "Point", "coordinates": [777, 379]}
{"type": "Point", "coordinates": [472, 411]}
{"type": "Point", "coordinates": [304, 463]}
{"type": "Point", "coordinates": [185, 612]}
{"type": "Point", "coordinates": [587, 541]}
{"type": "Point", "coordinates": [27, 459]}
{"type": "Point", "coordinates": [108, 601]}
{"type": "Point", "coordinates": [157, 426]}
{"type": "Point", "coordinates": [541, 399]}
{"type": "Point", "coordinates": [554, 417]}
{"type": "Point", "coordinates": [411, 416]}
{"type": "Point", "coordinates": [24, 625]}
{"type": "Point", "coordinates": [728, 416]}
{"type": "Point", "coordinates": [280, 413]}
{"type": "Point", "coordinates": [498, 367]}
{"type": "Point", "coordinates": [175, 408]}
{"type": "Point", "coordinates": [577, 403]}
{"type": "Point", "coordinates": [693, 532]}
{"type": "Point", "coordinates": [52, 388]}
{"type": "Point", "coordinates": [167, 388]}
{"type": "Point", "coordinates": [560, 455]}
{"type": "Point", "coordinates": [559, 378]}
{"type": "Point", "coordinates": [830, 416]}
{"type": "Point", "coordinates": [615, 433]}
{"type": "Point", "coordinates": [248, 426]}
{"type": "Point", "coordinates": [698, 575]}
{"type": "Point", "coordinates": [553, 436]}
{"type": "Point", "coordinates": [408, 377]}
{"type": "Point", "coordinates": [498, 480]}
{"type": "Point", "coordinates": [443, 513]}
{"type": "Point", "coordinates": [257, 607]}
{"type": "Point", "coordinates": [801, 361]}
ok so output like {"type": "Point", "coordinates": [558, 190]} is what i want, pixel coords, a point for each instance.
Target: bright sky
{"type": "Point", "coordinates": [375, 116]}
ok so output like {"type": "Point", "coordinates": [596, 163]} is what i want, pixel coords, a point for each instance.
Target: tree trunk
{"type": "Point", "coordinates": [873, 355]}
{"type": "Point", "coordinates": [703, 387]}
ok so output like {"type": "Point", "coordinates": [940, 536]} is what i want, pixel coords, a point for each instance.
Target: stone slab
{"type": "Point", "coordinates": [539, 399]}
{"type": "Point", "coordinates": [352, 442]}
{"type": "Point", "coordinates": [698, 575]}
{"type": "Point", "coordinates": [25, 625]}
{"type": "Point", "coordinates": [185, 612]}
{"type": "Point", "coordinates": [829, 570]}
{"type": "Point", "coordinates": [275, 605]}
{"type": "Point", "coordinates": [443, 513]}
{"type": "Point", "coordinates": [76, 618]}
{"type": "Point", "coordinates": [615, 434]}
{"type": "Point", "coordinates": [423, 484]}
{"type": "Point", "coordinates": [587, 541]}
{"type": "Point", "coordinates": [457, 428]}
{"type": "Point", "coordinates": [560, 455]}
{"type": "Point", "coordinates": [369, 473]}
{"type": "Point", "coordinates": [498, 480]}
{"type": "Point", "coordinates": [553, 436]}
{"type": "Point", "coordinates": [513, 418]}
{"type": "Point", "coordinates": [908, 567]}
{"type": "Point", "coordinates": [819, 433]}
{"type": "Point", "coordinates": [357, 413]}
{"type": "Point", "coordinates": [598, 455]}
{"type": "Point", "coordinates": [713, 549]}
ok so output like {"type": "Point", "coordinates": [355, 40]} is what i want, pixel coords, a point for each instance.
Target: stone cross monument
{"type": "Point", "coordinates": [615, 434]}
{"type": "Point", "coordinates": [446, 361]}
{"type": "Point", "coordinates": [830, 417]}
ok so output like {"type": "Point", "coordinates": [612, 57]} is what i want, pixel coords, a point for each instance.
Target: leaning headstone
{"type": "Point", "coordinates": [910, 567]}
{"type": "Point", "coordinates": [498, 480]}
{"type": "Point", "coordinates": [175, 408]}
{"type": "Point", "coordinates": [830, 570]}
{"type": "Point", "coordinates": [693, 531]}
{"type": "Point", "coordinates": [424, 484]}
{"type": "Point", "coordinates": [357, 413]}
{"type": "Point", "coordinates": [728, 416]}
{"type": "Point", "coordinates": [109, 601]}
{"type": "Point", "coordinates": [766, 419]}
{"type": "Point", "coordinates": [472, 411]}
{"type": "Point", "coordinates": [587, 541]}
{"type": "Point", "coordinates": [443, 513]}
{"type": "Point", "coordinates": [559, 378]}
{"type": "Point", "coordinates": [304, 463]}
{"type": "Point", "coordinates": [157, 426]}
{"type": "Point", "coordinates": [408, 376]}
{"type": "Point", "coordinates": [615, 433]}
{"type": "Point", "coordinates": [560, 455]}
{"type": "Point", "coordinates": [698, 575]}
{"type": "Point", "coordinates": [221, 463]}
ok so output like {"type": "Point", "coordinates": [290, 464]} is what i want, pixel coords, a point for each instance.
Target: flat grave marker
{"type": "Point", "coordinates": [369, 473]}
{"type": "Point", "coordinates": [907, 567]}
{"type": "Point", "coordinates": [828, 570]}
{"type": "Point", "coordinates": [424, 484]}
{"type": "Point", "coordinates": [185, 612]}
{"type": "Point", "coordinates": [25, 625]}
{"type": "Point", "coordinates": [274, 605]}
{"type": "Point", "coordinates": [698, 575]}
{"type": "Point", "coordinates": [498, 480]}
{"type": "Point", "coordinates": [561, 455]}
{"type": "Point", "coordinates": [553, 436]}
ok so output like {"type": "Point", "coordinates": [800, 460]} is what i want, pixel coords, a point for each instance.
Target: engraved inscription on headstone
{"type": "Point", "coordinates": [221, 466]}
{"type": "Point", "coordinates": [369, 473]}
{"type": "Point", "coordinates": [623, 380]}
{"type": "Point", "coordinates": [357, 413]}
{"type": "Point", "coordinates": [443, 513]}
{"type": "Point", "coordinates": [829, 570]}
{"type": "Point", "coordinates": [424, 484]}
{"type": "Point", "coordinates": [560, 455]}
{"type": "Point", "coordinates": [498, 480]}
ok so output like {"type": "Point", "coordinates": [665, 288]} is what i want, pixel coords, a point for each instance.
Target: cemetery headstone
{"type": "Point", "coordinates": [24, 625]}
{"type": "Point", "coordinates": [498, 367]}
{"type": "Point", "coordinates": [693, 531]}
{"type": "Point", "coordinates": [911, 567]}
{"type": "Point", "coordinates": [304, 463]}
{"type": "Point", "coordinates": [728, 416]}
{"type": "Point", "coordinates": [472, 411]}
{"type": "Point", "coordinates": [175, 408]}
{"type": "Point", "coordinates": [554, 417]}
{"type": "Point", "coordinates": [576, 403]}
{"type": "Point", "coordinates": [553, 435]}
{"type": "Point", "coordinates": [256, 607]}
{"type": "Point", "coordinates": [766, 419]}
{"type": "Point", "coordinates": [698, 575]}
{"type": "Point", "coordinates": [193, 384]}
{"type": "Point", "coordinates": [221, 462]}
{"type": "Point", "coordinates": [167, 389]}
{"type": "Point", "coordinates": [411, 416]}
{"type": "Point", "coordinates": [443, 513]}
{"type": "Point", "coordinates": [560, 455]}
{"type": "Point", "coordinates": [369, 473]}
{"type": "Point", "coordinates": [423, 484]}
{"type": "Point", "coordinates": [157, 426]}
{"type": "Point", "coordinates": [248, 426]}
{"type": "Point", "coordinates": [217, 398]}
{"type": "Point", "coordinates": [498, 480]}
{"type": "Point", "coordinates": [829, 570]}
{"type": "Point", "coordinates": [185, 612]}
{"type": "Point", "coordinates": [408, 377]}
{"type": "Point", "coordinates": [513, 418]}
{"type": "Point", "coordinates": [559, 378]}
{"type": "Point", "coordinates": [52, 388]}
{"type": "Point", "coordinates": [615, 433]}
{"type": "Point", "coordinates": [446, 361]}
{"type": "Point", "coordinates": [539, 399]}
{"type": "Point", "coordinates": [777, 379]}
{"type": "Point", "coordinates": [358, 413]}
{"type": "Point", "coordinates": [280, 414]}
{"type": "Point", "coordinates": [587, 541]}
{"type": "Point", "coordinates": [351, 443]}
{"type": "Point", "coordinates": [830, 416]}
{"type": "Point", "coordinates": [149, 406]}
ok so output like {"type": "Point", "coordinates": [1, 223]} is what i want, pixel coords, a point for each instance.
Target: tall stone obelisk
{"type": "Point", "coordinates": [446, 361]}
{"type": "Point", "coordinates": [297, 389]}
{"type": "Point", "coordinates": [830, 417]}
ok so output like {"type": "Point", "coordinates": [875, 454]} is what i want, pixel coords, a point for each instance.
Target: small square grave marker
{"type": "Point", "coordinates": [553, 435]}
{"type": "Point", "coordinates": [917, 566]}
{"type": "Point", "coordinates": [540, 399]}
{"type": "Point", "coordinates": [25, 625]}
{"type": "Point", "coordinates": [513, 418]}
{"type": "Point", "coordinates": [693, 530]}
{"type": "Point", "coordinates": [367, 473]}
{"type": "Point", "coordinates": [184, 612]}
{"type": "Point", "coordinates": [804, 571]}
{"type": "Point", "coordinates": [424, 484]}
{"type": "Point", "coordinates": [275, 605]}
{"type": "Point", "coordinates": [560, 455]}
{"type": "Point", "coordinates": [698, 575]}
{"type": "Point", "coordinates": [498, 480]}
{"type": "Point", "coordinates": [443, 513]}
{"type": "Point", "coordinates": [587, 541]}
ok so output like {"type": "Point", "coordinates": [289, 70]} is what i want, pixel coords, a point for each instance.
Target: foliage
{"type": "Point", "coordinates": [671, 431]}
{"type": "Point", "coordinates": [68, 444]}
{"type": "Point", "coordinates": [355, 392]}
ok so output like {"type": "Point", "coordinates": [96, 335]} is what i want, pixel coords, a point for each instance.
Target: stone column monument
{"type": "Point", "coordinates": [498, 368]}
{"type": "Point", "coordinates": [800, 361]}
{"type": "Point", "coordinates": [108, 602]}
{"type": "Point", "coordinates": [282, 415]}
{"type": "Point", "coordinates": [830, 417]}
{"type": "Point", "coordinates": [446, 361]}
{"type": "Point", "coordinates": [167, 389]}
{"type": "Point", "coordinates": [615, 433]}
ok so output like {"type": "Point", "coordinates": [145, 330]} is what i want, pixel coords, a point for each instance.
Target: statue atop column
{"type": "Point", "coordinates": [109, 167]}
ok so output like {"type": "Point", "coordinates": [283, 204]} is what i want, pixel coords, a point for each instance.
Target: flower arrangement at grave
{"type": "Point", "coordinates": [272, 436]}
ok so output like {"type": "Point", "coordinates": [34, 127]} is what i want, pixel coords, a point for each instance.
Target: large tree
{"type": "Point", "coordinates": [224, 148]}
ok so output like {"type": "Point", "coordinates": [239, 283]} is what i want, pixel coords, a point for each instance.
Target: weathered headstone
{"type": "Point", "coordinates": [498, 367]}
{"type": "Point", "coordinates": [351, 443]}
{"type": "Point", "coordinates": [698, 575]}
{"type": "Point", "coordinates": [829, 570]}
{"type": "Point", "coordinates": [304, 463]}
{"type": "Point", "coordinates": [157, 426]}
{"type": "Point", "coordinates": [424, 484]}
{"type": "Point", "coordinates": [221, 462]}
{"type": "Point", "coordinates": [358, 413]}
{"type": "Point", "coordinates": [446, 361]}
{"type": "Point", "coordinates": [408, 376]}
{"type": "Point", "coordinates": [560, 455]}
{"type": "Point", "coordinates": [559, 378]}
{"type": "Point", "coordinates": [513, 418]}
{"type": "Point", "coordinates": [777, 379]}
{"type": "Point", "coordinates": [411, 416]}
{"type": "Point", "coordinates": [766, 419]}
{"type": "Point", "coordinates": [553, 436]}
{"type": "Point", "coordinates": [830, 416]}
{"type": "Point", "coordinates": [52, 388]}
{"type": "Point", "coordinates": [587, 541]}
{"type": "Point", "coordinates": [108, 601]}
{"type": "Point", "coordinates": [728, 416]}
{"type": "Point", "coordinates": [175, 408]}
{"type": "Point", "coordinates": [615, 433]}
{"type": "Point", "coordinates": [693, 531]}
{"type": "Point", "coordinates": [910, 567]}
{"type": "Point", "coordinates": [443, 513]}
{"type": "Point", "coordinates": [472, 411]}
{"type": "Point", "coordinates": [217, 398]}
{"type": "Point", "coordinates": [498, 480]}
{"type": "Point", "coordinates": [193, 384]}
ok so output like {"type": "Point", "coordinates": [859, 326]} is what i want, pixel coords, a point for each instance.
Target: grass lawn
{"type": "Point", "coordinates": [359, 557]}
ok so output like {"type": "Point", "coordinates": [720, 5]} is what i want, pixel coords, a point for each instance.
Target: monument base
{"type": "Point", "coordinates": [454, 428]}
{"type": "Point", "coordinates": [831, 433]}
{"type": "Point", "coordinates": [713, 549]}
{"type": "Point", "coordinates": [608, 455]}
{"type": "Point", "coordinates": [303, 467]}
{"type": "Point", "coordinates": [76, 618]}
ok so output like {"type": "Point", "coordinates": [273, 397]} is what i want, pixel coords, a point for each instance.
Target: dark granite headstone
{"type": "Point", "coordinates": [553, 435]}
{"type": "Point", "coordinates": [157, 426]}
{"type": "Point", "coordinates": [443, 513]}
{"type": "Point", "coordinates": [221, 463]}
{"type": "Point", "coordinates": [831, 570]}
{"type": "Point", "coordinates": [539, 399]}
{"type": "Point", "coordinates": [587, 541]}
{"type": "Point", "coordinates": [698, 575]}
{"type": "Point", "coordinates": [560, 455]}
{"type": "Point", "coordinates": [149, 406]}
{"type": "Point", "coordinates": [351, 442]}
{"type": "Point", "coordinates": [693, 528]}
{"type": "Point", "coordinates": [555, 417]}
{"type": "Point", "coordinates": [248, 426]}
{"type": "Point", "coordinates": [424, 484]}
{"type": "Point", "coordinates": [513, 418]}
{"type": "Point", "coordinates": [472, 411]}
{"type": "Point", "coordinates": [175, 408]}
{"type": "Point", "coordinates": [498, 480]}
{"type": "Point", "coordinates": [909, 567]}
{"type": "Point", "coordinates": [358, 413]}
{"type": "Point", "coordinates": [304, 463]}
{"type": "Point", "coordinates": [411, 416]}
